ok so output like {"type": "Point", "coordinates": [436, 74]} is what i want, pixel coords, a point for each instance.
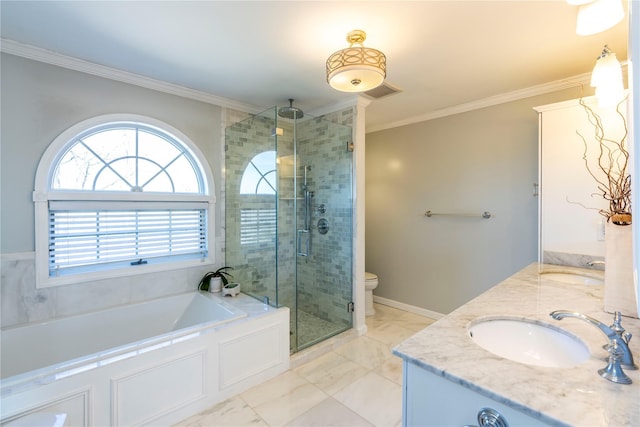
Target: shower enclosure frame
{"type": "Point", "coordinates": [305, 171]}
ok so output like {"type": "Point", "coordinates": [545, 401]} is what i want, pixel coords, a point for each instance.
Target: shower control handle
{"type": "Point", "coordinates": [300, 233]}
{"type": "Point", "coordinates": [323, 226]}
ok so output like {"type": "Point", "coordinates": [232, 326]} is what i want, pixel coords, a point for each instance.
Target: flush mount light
{"type": "Point", "coordinates": [595, 16]}
{"type": "Point", "coordinates": [356, 69]}
{"type": "Point", "coordinates": [607, 79]}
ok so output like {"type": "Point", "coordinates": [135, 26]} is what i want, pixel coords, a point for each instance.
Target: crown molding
{"type": "Point", "coordinates": [37, 54]}
{"type": "Point", "coordinates": [570, 82]}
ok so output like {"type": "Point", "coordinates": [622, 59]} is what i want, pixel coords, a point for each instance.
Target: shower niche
{"type": "Point", "coordinates": [286, 173]}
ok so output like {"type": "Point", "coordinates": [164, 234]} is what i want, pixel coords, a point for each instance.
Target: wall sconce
{"type": "Point", "coordinates": [356, 69]}
{"type": "Point", "coordinates": [595, 16]}
{"type": "Point", "coordinates": [607, 79]}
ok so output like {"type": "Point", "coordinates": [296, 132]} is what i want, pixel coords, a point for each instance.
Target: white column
{"type": "Point", "coordinates": [358, 213]}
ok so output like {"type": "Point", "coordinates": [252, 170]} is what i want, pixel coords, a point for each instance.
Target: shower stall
{"type": "Point", "coordinates": [288, 216]}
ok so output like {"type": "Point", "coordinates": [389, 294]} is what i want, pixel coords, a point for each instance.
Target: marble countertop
{"type": "Point", "coordinates": [575, 396]}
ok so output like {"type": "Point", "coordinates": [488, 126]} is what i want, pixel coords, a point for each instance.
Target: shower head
{"type": "Point", "coordinates": [290, 112]}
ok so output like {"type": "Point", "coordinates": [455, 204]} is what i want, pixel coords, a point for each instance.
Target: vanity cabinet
{"type": "Point", "coordinates": [431, 400]}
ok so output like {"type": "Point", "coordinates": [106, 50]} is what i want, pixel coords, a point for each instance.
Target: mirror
{"type": "Point", "coordinates": [572, 230]}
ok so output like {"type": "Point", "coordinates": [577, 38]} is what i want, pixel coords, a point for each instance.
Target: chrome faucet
{"type": "Point", "coordinates": [615, 334]}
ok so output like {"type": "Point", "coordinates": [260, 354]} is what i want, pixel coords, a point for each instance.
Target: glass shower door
{"type": "Point", "coordinates": [323, 231]}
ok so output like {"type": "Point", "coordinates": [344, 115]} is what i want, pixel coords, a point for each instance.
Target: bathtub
{"type": "Point", "coordinates": [153, 362]}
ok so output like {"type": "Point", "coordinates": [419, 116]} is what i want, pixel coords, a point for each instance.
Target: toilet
{"type": "Point", "coordinates": [370, 283]}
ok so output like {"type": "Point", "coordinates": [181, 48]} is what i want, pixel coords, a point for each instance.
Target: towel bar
{"type": "Point", "coordinates": [484, 215]}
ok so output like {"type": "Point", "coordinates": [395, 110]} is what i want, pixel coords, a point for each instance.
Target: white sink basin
{"type": "Point", "coordinates": [575, 278]}
{"type": "Point", "coordinates": [529, 342]}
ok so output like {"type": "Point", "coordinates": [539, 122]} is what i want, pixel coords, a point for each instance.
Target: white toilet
{"type": "Point", "coordinates": [370, 283]}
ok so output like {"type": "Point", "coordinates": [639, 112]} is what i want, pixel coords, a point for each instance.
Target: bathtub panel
{"type": "Point", "coordinates": [146, 395]}
{"type": "Point", "coordinates": [70, 409]}
{"type": "Point", "coordinates": [246, 355]}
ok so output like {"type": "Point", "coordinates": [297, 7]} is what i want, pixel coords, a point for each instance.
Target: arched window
{"type": "Point", "coordinates": [119, 195]}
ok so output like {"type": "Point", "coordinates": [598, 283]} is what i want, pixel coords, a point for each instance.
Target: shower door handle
{"type": "Point", "coordinates": [300, 233]}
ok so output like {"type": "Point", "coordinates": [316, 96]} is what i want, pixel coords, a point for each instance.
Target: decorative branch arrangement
{"type": "Point", "coordinates": [610, 170]}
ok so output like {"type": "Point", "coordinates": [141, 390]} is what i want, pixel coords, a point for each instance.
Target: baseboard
{"type": "Point", "coordinates": [406, 307]}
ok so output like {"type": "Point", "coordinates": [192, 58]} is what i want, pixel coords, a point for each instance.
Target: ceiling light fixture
{"type": "Point", "coordinates": [607, 79]}
{"type": "Point", "coordinates": [356, 69]}
{"type": "Point", "coordinates": [595, 16]}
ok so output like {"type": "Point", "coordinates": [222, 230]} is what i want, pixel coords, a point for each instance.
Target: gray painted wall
{"type": "Point", "coordinates": [471, 162]}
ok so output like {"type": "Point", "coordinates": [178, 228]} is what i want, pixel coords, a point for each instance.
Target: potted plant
{"type": "Point", "coordinates": [213, 281]}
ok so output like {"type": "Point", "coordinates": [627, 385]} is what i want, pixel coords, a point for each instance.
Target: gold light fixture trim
{"type": "Point", "coordinates": [356, 69]}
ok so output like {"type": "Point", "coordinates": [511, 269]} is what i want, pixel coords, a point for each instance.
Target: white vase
{"type": "Point", "coordinates": [215, 284]}
{"type": "Point", "coordinates": [619, 287]}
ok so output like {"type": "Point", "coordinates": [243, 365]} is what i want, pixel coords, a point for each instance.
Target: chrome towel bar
{"type": "Point", "coordinates": [484, 215]}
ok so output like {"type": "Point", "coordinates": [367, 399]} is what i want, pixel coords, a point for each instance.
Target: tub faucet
{"type": "Point", "coordinates": [615, 334]}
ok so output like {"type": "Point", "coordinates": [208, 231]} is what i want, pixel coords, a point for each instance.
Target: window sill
{"type": "Point", "coordinates": [49, 282]}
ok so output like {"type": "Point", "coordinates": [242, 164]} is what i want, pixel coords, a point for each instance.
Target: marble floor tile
{"type": "Point", "coordinates": [392, 370]}
{"type": "Point", "coordinates": [365, 351]}
{"type": "Point", "coordinates": [329, 413]}
{"type": "Point", "coordinates": [388, 315]}
{"type": "Point", "coordinates": [233, 412]}
{"type": "Point", "coordinates": [384, 314]}
{"type": "Point", "coordinates": [374, 398]}
{"type": "Point", "coordinates": [391, 333]}
{"type": "Point", "coordinates": [415, 322]}
{"type": "Point", "coordinates": [331, 372]}
{"type": "Point", "coordinates": [283, 398]}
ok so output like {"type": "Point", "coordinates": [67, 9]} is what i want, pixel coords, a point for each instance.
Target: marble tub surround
{"type": "Point", "coordinates": [575, 396]}
{"type": "Point", "coordinates": [22, 303]}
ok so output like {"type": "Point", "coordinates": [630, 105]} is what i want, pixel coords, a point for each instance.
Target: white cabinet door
{"type": "Point", "coordinates": [430, 400]}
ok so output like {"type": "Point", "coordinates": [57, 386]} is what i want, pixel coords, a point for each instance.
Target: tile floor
{"type": "Point", "coordinates": [356, 384]}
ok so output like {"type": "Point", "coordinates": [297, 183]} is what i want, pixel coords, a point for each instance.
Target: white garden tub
{"type": "Point", "coordinates": [153, 362]}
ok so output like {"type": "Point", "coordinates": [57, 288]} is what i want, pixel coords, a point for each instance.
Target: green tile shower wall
{"type": "Point", "coordinates": [325, 276]}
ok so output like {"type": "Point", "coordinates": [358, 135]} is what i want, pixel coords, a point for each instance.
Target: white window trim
{"type": "Point", "coordinates": [42, 194]}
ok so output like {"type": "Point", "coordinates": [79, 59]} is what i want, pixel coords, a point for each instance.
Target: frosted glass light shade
{"type": "Point", "coordinates": [599, 15]}
{"type": "Point", "coordinates": [607, 79]}
{"type": "Point", "coordinates": [356, 78]}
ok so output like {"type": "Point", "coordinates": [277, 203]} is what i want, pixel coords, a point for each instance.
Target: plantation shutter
{"type": "Point", "coordinates": [101, 235]}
